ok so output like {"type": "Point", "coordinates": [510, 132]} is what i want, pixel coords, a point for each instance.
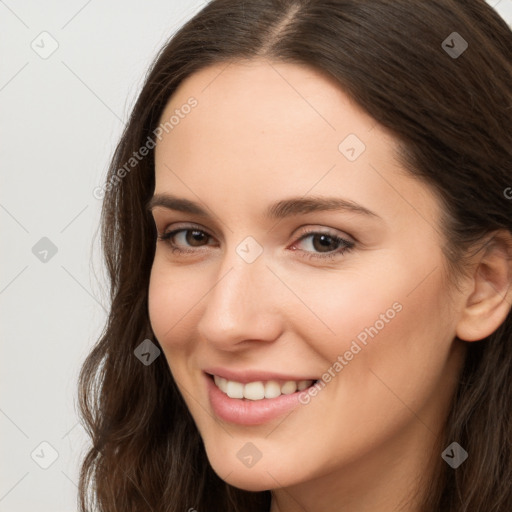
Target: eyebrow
{"type": "Point", "coordinates": [279, 210]}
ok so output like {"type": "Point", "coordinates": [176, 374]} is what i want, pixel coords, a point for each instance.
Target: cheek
{"type": "Point", "coordinates": [396, 321]}
{"type": "Point", "coordinates": [172, 296]}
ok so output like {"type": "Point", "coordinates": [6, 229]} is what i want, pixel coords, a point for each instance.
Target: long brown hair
{"type": "Point", "coordinates": [452, 116]}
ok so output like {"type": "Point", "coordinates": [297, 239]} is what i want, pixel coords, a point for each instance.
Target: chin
{"type": "Point", "coordinates": [254, 482]}
{"type": "Point", "coordinates": [253, 479]}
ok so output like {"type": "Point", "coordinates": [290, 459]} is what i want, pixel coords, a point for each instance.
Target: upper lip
{"type": "Point", "coordinates": [252, 375]}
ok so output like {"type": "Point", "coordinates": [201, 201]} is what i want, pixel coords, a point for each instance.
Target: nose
{"type": "Point", "coordinates": [244, 305]}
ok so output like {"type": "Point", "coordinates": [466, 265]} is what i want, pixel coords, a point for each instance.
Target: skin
{"type": "Point", "coordinates": [262, 132]}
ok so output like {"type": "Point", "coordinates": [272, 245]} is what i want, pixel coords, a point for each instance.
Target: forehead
{"type": "Point", "coordinates": [269, 130]}
{"type": "Point", "coordinates": [259, 97]}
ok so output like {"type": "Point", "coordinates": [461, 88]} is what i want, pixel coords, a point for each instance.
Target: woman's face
{"type": "Point", "coordinates": [309, 254]}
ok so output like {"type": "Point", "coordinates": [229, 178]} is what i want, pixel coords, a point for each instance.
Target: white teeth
{"type": "Point", "coordinates": [303, 384]}
{"type": "Point", "coordinates": [272, 389]}
{"type": "Point", "coordinates": [259, 390]}
{"type": "Point", "coordinates": [221, 382]}
{"type": "Point", "coordinates": [289, 387]}
{"type": "Point", "coordinates": [254, 391]}
{"type": "Point", "coordinates": [234, 389]}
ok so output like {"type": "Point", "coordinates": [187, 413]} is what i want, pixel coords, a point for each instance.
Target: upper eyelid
{"type": "Point", "coordinates": [188, 227]}
{"type": "Point", "coordinates": [207, 230]}
{"type": "Point", "coordinates": [307, 232]}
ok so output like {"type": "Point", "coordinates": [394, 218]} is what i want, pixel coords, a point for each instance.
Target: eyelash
{"type": "Point", "coordinates": [348, 246]}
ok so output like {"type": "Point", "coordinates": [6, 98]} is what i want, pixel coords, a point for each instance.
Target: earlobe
{"type": "Point", "coordinates": [490, 299]}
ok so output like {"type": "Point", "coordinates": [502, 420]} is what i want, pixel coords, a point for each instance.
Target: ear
{"type": "Point", "coordinates": [490, 296]}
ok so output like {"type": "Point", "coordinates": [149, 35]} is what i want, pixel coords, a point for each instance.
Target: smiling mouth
{"type": "Point", "coordinates": [260, 390]}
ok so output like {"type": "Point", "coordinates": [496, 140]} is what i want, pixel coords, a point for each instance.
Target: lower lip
{"type": "Point", "coordinates": [249, 412]}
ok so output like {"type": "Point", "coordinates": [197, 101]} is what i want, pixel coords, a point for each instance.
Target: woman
{"type": "Point", "coordinates": [308, 234]}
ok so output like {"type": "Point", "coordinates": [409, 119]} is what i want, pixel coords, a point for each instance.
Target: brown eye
{"type": "Point", "coordinates": [195, 237]}
{"type": "Point", "coordinates": [318, 244]}
{"type": "Point", "coordinates": [183, 239]}
{"type": "Point", "coordinates": [324, 243]}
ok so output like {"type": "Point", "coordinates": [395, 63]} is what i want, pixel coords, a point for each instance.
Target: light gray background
{"type": "Point", "coordinates": [60, 119]}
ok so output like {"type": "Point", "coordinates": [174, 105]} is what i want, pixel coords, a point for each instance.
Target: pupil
{"type": "Point", "coordinates": [325, 241]}
{"type": "Point", "coordinates": [196, 236]}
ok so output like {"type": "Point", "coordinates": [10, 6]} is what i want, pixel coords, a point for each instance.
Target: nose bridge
{"type": "Point", "coordinates": [240, 305]}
